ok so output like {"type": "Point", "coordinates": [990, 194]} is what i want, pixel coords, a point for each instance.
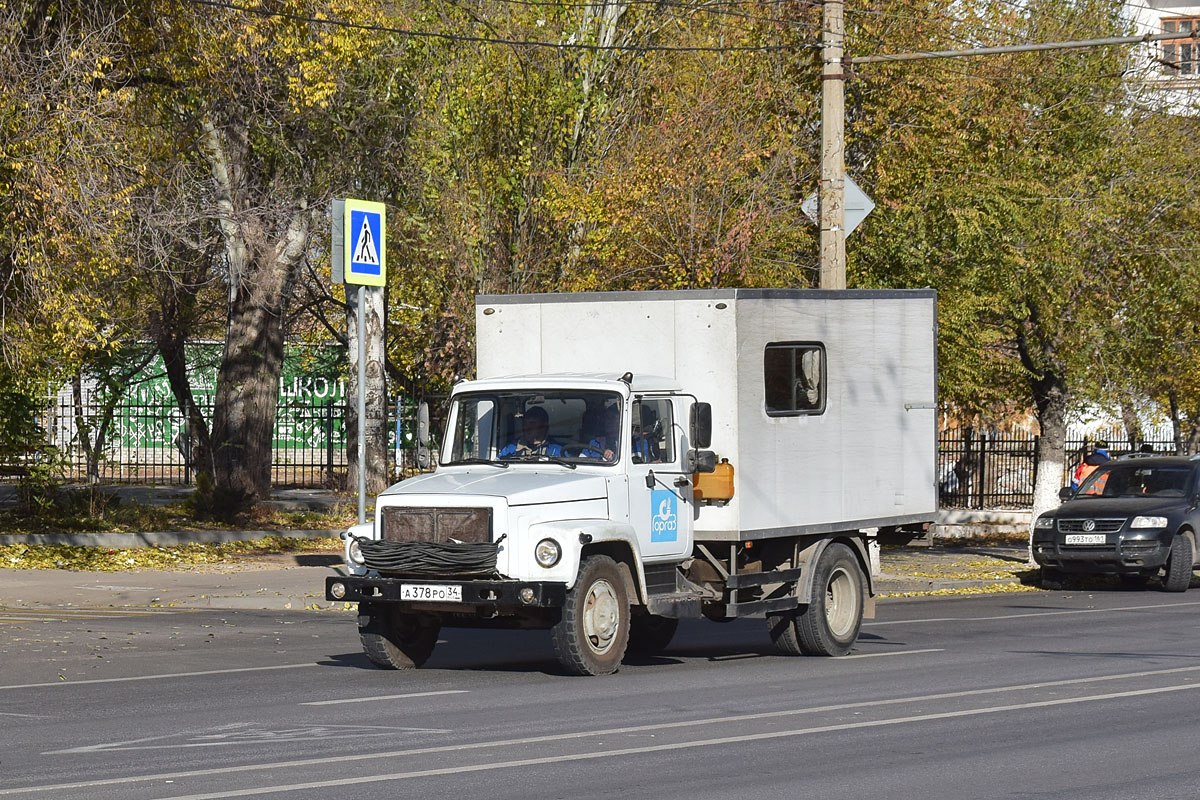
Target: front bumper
{"type": "Point", "coordinates": [1117, 556]}
{"type": "Point", "coordinates": [494, 594]}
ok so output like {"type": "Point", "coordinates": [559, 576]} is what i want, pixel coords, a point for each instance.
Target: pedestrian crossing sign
{"type": "Point", "coordinates": [364, 255]}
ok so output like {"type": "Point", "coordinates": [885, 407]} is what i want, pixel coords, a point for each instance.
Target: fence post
{"type": "Point", "coordinates": [983, 440]}
{"type": "Point", "coordinates": [329, 442]}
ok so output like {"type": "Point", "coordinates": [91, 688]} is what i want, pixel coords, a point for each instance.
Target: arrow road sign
{"type": "Point", "coordinates": [856, 203]}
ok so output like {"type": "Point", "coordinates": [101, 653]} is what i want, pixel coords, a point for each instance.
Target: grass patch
{"type": "Point", "coordinates": [185, 557]}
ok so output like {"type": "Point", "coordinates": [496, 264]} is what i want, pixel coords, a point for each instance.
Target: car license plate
{"type": "Point", "coordinates": [1085, 538]}
{"type": "Point", "coordinates": [432, 592]}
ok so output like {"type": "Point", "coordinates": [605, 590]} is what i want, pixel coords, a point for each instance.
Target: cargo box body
{"type": "Point", "coordinates": [859, 453]}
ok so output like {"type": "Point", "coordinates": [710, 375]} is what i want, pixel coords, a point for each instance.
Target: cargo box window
{"type": "Point", "coordinates": [794, 378]}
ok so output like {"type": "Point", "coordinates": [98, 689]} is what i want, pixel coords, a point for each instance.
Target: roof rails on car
{"type": "Point", "coordinates": [1126, 456]}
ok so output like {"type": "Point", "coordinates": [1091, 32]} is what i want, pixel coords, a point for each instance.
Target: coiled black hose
{"type": "Point", "coordinates": [430, 559]}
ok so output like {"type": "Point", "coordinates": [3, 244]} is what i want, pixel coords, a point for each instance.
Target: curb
{"type": "Point", "coordinates": [116, 541]}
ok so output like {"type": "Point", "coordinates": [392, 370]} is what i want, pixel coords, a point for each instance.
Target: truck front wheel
{"type": "Point", "coordinates": [591, 636]}
{"type": "Point", "coordinates": [829, 624]}
{"type": "Point", "coordinates": [395, 640]}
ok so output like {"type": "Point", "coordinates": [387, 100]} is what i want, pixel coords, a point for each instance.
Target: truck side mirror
{"type": "Point", "coordinates": [423, 424]}
{"type": "Point", "coordinates": [701, 461]}
{"type": "Point", "coordinates": [1066, 493]}
{"type": "Point", "coordinates": [700, 429]}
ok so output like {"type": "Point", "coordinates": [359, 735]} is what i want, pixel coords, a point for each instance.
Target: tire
{"type": "Point", "coordinates": [829, 624]}
{"type": "Point", "coordinates": [649, 634]}
{"type": "Point", "coordinates": [593, 631]}
{"type": "Point", "coordinates": [395, 640]}
{"type": "Point", "coordinates": [1052, 578]}
{"type": "Point", "coordinates": [1178, 575]}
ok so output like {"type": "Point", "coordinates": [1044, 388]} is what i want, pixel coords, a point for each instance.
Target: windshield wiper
{"type": "Point", "coordinates": [490, 463]}
{"type": "Point", "coordinates": [540, 458]}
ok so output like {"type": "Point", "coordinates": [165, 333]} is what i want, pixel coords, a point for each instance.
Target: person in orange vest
{"type": "Point", "coordinates": [1089, 464]}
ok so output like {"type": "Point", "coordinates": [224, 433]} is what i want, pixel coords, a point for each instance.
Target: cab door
{"type": "Point", "coordinates": [660, 492]}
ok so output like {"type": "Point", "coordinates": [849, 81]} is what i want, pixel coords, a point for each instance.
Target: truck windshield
{"type": "Point", "coordinates": [561, 426]}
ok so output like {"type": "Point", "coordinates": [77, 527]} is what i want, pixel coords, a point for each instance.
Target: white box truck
{"type": "Point", "coordinates": [625, 460]}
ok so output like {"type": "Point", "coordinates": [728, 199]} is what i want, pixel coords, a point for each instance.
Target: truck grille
{"type": "Point", "coordinates": [471, 525]}
{"type": "Point", "coordinates": [1102, 525]}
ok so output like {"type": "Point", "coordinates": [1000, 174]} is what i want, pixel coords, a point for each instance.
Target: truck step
{"type": "Point", "coordinates": [676, 605]}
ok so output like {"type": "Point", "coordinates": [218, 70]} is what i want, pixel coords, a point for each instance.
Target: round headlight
{"type": "Point", "coordinates": [354, 553]}
{"type": "Point", "coordinates": [547, 552]}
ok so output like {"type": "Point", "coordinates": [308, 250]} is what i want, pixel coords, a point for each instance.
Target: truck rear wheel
{"type": "Point", "coordinates": [829, 625]}
{"type": "Point", "coordinates": [395, 640]}
{"type": "Point", "coordinates": [591, 636]}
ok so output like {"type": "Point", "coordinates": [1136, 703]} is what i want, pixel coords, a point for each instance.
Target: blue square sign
{"type": "Point", "coordinates": [364, 253]}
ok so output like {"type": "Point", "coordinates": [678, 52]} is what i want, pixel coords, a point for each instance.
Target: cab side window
{"type": "Point", "coordinates": [653, 439]}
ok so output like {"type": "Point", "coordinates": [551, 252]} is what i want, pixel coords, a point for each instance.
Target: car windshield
{"type": "Point", "coordinates": [570, 427]}
{"type": "Point", "coordinates": [1138, 480]}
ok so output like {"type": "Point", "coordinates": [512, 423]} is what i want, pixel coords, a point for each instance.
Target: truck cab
{"type": "Point", "coordinates": [535, 474]}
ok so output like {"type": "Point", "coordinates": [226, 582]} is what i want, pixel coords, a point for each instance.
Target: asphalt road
{"type": "Point", "coordinates": [1065, 695]}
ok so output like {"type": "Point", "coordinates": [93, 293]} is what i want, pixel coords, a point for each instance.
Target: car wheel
{"type": "Point", "coordinates": [1179, 565]}
{"type": "Point", "coordinates": [1052, 578]}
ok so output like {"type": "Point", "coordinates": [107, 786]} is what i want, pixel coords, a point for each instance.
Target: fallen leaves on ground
{"type": "Point", "coordinates": [186, 557]}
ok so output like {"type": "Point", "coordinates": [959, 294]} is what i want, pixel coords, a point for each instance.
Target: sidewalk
{"type": "Point", "coordinates": [275, 585]}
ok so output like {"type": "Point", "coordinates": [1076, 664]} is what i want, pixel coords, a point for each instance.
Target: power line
{"type": "Point", "coordinates": [1025, 48]}
{"type": "Point", "coordinates": [452, 37]}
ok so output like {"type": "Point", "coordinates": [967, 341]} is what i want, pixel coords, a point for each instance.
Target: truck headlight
{"type": "Point", "coordinates": [547, 553]}
{"type": "Point", "coordinates": [1148, 522]}
{"type": "Point", "coordinates": [354, 553]}
{"type": "Point", "coordinates": [1043, 523]}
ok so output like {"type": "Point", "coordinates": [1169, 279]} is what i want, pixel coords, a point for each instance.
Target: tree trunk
{"type": "Point", "coordinates": [170, 335]}
{"type": "Point", "coordinates": [247, 395]}
{"type": "Point", "coordinates": [376, 385]}
{"type": "Point", "coordinates": [1176, 423]}
{"type": "Point", "coordinates": [262, 273]}
{"type": "Point", "coordinates": [1050, 398]}
{"type": "Point", "coordinates": [1133, 425]}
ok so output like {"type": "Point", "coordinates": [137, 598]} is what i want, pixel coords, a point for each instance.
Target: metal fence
{"type": "Point", "coordinates": [147, 443]}
{"type": "Point", "coordinates": [981, 470]}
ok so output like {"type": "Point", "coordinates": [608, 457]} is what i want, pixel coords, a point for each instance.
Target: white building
{"type": "Point", "coordinates": [1171, 67]}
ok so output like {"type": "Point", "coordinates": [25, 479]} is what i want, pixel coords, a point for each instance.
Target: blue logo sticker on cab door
{"type": "Point", "coordinates": [664, 521]}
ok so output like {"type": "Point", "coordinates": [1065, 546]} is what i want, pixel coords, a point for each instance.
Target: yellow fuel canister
{"type": "Point", "coordinates": [715, 485]}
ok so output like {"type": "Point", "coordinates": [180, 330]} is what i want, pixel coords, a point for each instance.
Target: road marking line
{"type": "Point", "coordinates": [1032, 614]}
{"type": "Point", "coordinates": [894, 653]}
{"type": "Point", "coordinates": [313, 762]}
{"type": "Point", "coordinates": [159, 677]}
{"type": "Point", "coordinates": [383, 697]}
{"type": "Point", "coordinates": [659, 748]}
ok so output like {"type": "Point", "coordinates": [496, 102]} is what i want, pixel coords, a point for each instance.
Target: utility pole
{"type": "Point", "coordinates": [833, 154]}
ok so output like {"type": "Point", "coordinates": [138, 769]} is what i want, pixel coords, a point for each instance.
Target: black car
{"type": "Point", "coordinates": [1135, 517]}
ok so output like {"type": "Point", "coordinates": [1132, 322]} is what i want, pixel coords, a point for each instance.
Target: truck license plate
{"type": "Point", "coordinates": [431, 592]}
{"type": "Point", "coordinates": [1085, 538]}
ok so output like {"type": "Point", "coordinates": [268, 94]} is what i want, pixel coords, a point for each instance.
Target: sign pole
{"type": "Point", "coordinates": [362, 404]}
{"type": "Point", "coordinates": [359, 258]}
